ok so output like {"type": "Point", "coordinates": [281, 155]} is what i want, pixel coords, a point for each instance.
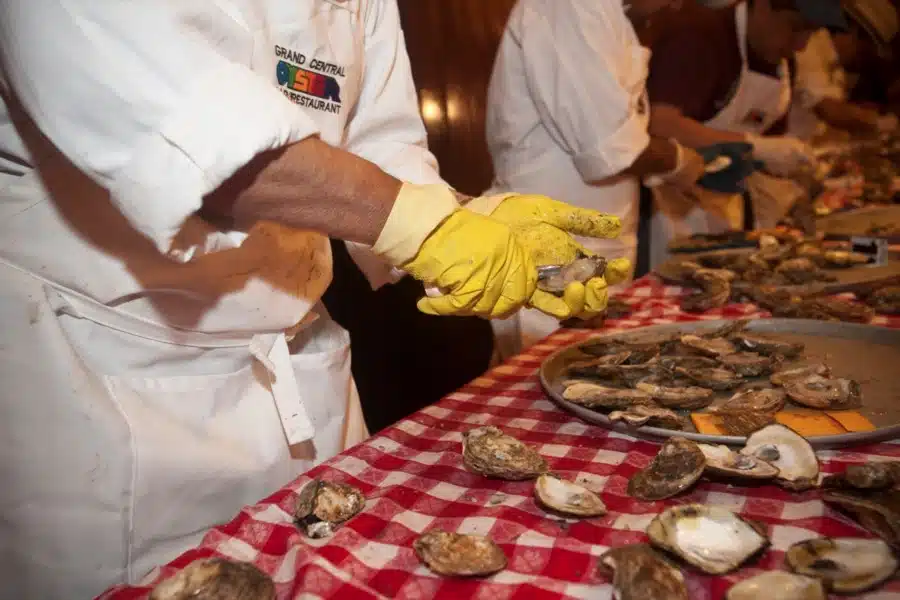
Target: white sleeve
{"type": "Point", "coordinates": [147, 97]}
{"type": "Point", "coordinates": [819, 74]}
{"type": "Point", "coordinates": [386, 128]}
{"type": "Point", "coordinates": [582, 65]}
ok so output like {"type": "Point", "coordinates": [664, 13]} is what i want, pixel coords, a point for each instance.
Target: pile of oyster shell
{"type": "Point", "coordinates": [646, 383]}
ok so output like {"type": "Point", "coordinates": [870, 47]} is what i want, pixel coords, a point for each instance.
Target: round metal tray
{"type": "Point", "coordinates": [868, 354]}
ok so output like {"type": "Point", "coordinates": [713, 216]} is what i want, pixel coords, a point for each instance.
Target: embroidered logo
{"type": "Point", "coordinates": [309, 83]}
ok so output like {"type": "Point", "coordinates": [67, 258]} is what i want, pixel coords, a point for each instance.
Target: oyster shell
{"type": "Point", "coordinates": [711, 538]}
{"type": "Point", "coordinates": [744, 424]}
{"type": "Point", "coordinates": [844, 258]}
{"type": "Point", "coordinates": [885, 300]}
{"type": "Point", "coordinates": [767, 346]}
{"type": "Point", "coordinates": [799, 271]}
{"type": "Point", "coordinates": [714, 378]}
{"type": "Point", "coordinates": [816, 391]}
{"type": "Point", "coordinates": [799, 373]}
{"type": "Point", "coordinates": [723, 461]}
{"type": "Point", "coordinates": [555, 278]}
{"type": "Point", "coordinates": [605, 360]}
{"type": "Point", "coordinates": [215, 579]}
{"type": "Point", "coordinates": [601, 397]}
{"type": "Point", "coordinates": [459, 555]}
{"type": "Point", "coordinates": [748, 364]}
{"type": "Point", "coordinates": [640, 573]}
{"type": "Point", "coordinates": [690, 398]}
{"type": "Point", "coordinates": [867, 476]}
{"type": "Point", "coordinates": [715, 293]}
{"type": "Point", "coordinates": [323, 505]}
{"type": "Point", "coordinates": [567, 498]}
{"type": "Point", "coordinates": [618, 374]}
{"type": "Point", "coordinates": [845, 565]}
{"type": "Point", "coordinates": [789, 452]}
{"type": "Point", "coordinates": [670, 363]}
{"type": "Point", "coordinates": [638, 352]}
{"type": "Point", "coordinates": [877, 511]}
{"type": "Point", "coordinates": [764, 400]}
{"type": "Point", "coordinates": [778, 585]}
{"type": "Point", "coordinates": [677, 466]}
{"type": "Point", "coordinates": [713, 347]}
{"type": "Point", "coordinates": [490, 452]}
{"type": "Point", "coordinates": [644, 414]}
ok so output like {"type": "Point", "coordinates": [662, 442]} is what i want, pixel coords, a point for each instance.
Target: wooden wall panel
{"type": "Point", "coordinates": [451, 45]}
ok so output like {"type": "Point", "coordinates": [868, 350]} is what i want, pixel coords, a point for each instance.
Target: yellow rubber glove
{"type": "Point", "coordinates": [545, 227]}
{"type": "Point", "coordinates": [476, 261]}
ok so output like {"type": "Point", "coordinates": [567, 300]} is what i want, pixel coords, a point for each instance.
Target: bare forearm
{"type": "Point", "coordinates": [847, 116]}
{"type": "Point", "coordinates": [660, 156]}
{"type": "Point", "coordinates": [309, 185]}
{"type": "Point", "coordinates": [668, 122]}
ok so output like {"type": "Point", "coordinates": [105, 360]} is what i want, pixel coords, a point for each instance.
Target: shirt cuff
{"type": "Point", "coordinates": [210, 137]}
{"type": "Point", "coordinates": [615, 153]}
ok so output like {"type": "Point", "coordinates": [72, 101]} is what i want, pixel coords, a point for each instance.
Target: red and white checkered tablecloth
{"type": "Point", "coordinates": [413, 477]}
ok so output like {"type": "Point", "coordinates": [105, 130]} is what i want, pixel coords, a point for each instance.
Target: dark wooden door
{"type": "Point", "coordinates": [451, 45]}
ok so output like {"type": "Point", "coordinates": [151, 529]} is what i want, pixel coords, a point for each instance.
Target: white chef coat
{"type": "Point", "coordinates": [134, 414]}
{"type": "Point", "coordinates": [819, 76]}
{"type": "Point", "coordinates": [567, 109]}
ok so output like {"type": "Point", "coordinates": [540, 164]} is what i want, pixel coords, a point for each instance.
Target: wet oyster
{"type": "Point", "coordinates": [567, 498]}
{"type": "Point", "coordinates": [749, 364]}
{"type": "Point", "coordinates": [845, 565]}
{"type": "Point", "coordinates": [618, 374]}
{"type": "Point", "coordinates": [638, 352]}
{"type": "Point", "coordinates": [490, 452]}
{"type": "Point", "coordinates": [778, 585]}
{"type": "Point", "coordinates": [323, 505]}
{"type": "Point", "coordinates": [606, 360]}
{"type": "Point", "coordinates": [640, 573]}
{"type": "Point", "coordinates": [844, 258]}
{"type": "Point", "coordinates": [459, 555]}
{"type": "Point", "coordinates": [216, 579]}
{"type": "Point", "coordinates": [713, 347]}
{"type": "Point", "coordinates": [591, 395]}
{"type": "Point", "coordinates": [789, 452]}
{"type": "Point", "coordinates": [714, 378]}
{"type": "Point", "coordinates": [725, 462]}
{"type": "Point", "coordinates": [711, 538]}
{"type": "Point", "coordinates": [690, 398]}
{"type": "Point", "coordinates": [555, 278]}
{"type": "Point", "coordinates": [816, 391]}
{"type": "Point", "coordinates": [677, 466]}
{"type": "Point", "coordinates": [764, 400]}
{"type": "Point", "coordinates": [868, 476]}
{"type": "Point", "coordinates": [783, 377]}
{"type": "Point", "coordinates": [654, 416]}
{"type": "Point", "coordinates": [877, 511]}
{"type": "Point", "coordinates": [670, 363]}
{"type": "Point", "coordinates": [799, 271]}
{"type": "Point", "coordinates": [767, 346]}
{"type": "Point", "coordinates": [744, 424]}
{"type": "Point", "coordinates": [885, 300]}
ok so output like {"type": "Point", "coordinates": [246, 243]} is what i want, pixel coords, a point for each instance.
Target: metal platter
{"type": "Point", "coordinates": [866, 353]}
{"type": "Point", "coordinates": [848, 279]}
{"type": "Point", "coordinates": [871, 221]}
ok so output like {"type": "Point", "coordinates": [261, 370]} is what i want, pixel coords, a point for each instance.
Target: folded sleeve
{"type": "Point", "coordinates": [586, 73]}
{"type": "Point", "coordinates": [150, 98]}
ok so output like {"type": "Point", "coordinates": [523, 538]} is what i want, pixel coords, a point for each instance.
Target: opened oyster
{"type": "Point", "coordinates": [714, 378]}
{"type": "Point", "coordinates": [844, 258]}
{"type": "Point", "coordinates": [690, 398]}
{"type": "Point", "coordinates": [216, 579]}
{"type": "Point", "coordinates": [677, 466]}
{"type": "Point", "coordinates": [567, 498]}
{"type": "Point", "coordinates": [638, 352]}
{"type": "Point", "coordinates": [877, 511]}
{"type": "Point", "coordinates": [645, 414]}
{"type": "Point", "coordinates": [885, 300]}
{"type": "Point", "coordinates": [800, 373]}
{"type": "Point", "coordinates": [767, 346]}
{"type": "Point", "coordinates": [816, 391]}
{"type": "Point", "coordinates": [868, 476]}
{"type": "Point", "coordinates": [490, 452]}
{"type": "Point", "coordinates": [640, 573]}
{"type": "Point", "coordinates": [764, 400]}
{"type": "Point", "coordinates": [324, 505]}
{"type": "Point", "coordinates": [845, 565]}
{"type": "Point", "coordinates": [778, 585]}
{"type": "Point", "coordinates": [743, 424]}
{"type": "Point", "coordinates": [799, 271]}
{"type": "Point", "coordinates": [723, 461]}
{"type": "Point", "coordinates": [787, 451]}
{"type": "Point", "coordinates": [711, 538]}
{"type": "Point", "coordinates": [749, 364]}
{"type": "Point", "coordinates": [459, 555]}
{"type": "Point", "coordinates": [601, 397]}
{"type": "Point", "coordinates": [713, 347]}
{"type": "Point", "coordinates": [555, 278]}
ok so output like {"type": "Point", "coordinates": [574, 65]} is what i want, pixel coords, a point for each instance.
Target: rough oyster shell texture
{"type": "Point", "coordinates": [778, 585]}
{"type": "Point", "coordinates": [490, 452]}
{"type": "Point", "coordinates": [568, 498]}
{"type": "Point", "coordinates": [592, 395]}
{"type": "Point", "coordinates": [216, 579]}
{"type": "Point", "coordinates": [323, 505]}
{"type": "Point", "coordinates": [764, 400]}
{"type": "Point", "coordinates": [640, 573]}
{"type": "Point", "coordinates": [459, 555]}
{"type": "Point", "coordinates": [820, 392]}
{"type": "Point", "coordinates": [725, 462]}
{"type": "Point", "coordinates": [789, 452]}
{"type": "Point", "coordinates": [677, 466]}
{"type": "Point", "coordinates": [711, 538]}
{"type": "Point", "coordinates": [642, 414]}
{"type": "Point", "coordinates": [845, 565]}
{"type": "Point", "coordinates": [870, 493]}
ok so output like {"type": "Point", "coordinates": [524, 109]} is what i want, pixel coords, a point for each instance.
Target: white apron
{"type": "Point", "coordinates": [135, 416]}
{"type": "Point", "coordinates": [759, 101]}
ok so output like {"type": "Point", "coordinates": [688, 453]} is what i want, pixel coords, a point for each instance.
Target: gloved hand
{"type": "Point", "coordinates": [477, 262]}
{"type": "Point", "coordinates": [543, 226]}
{"type": "Point", "coordinates": [782, 155]}
{"type": "Point", "coordinates": [729, 180]}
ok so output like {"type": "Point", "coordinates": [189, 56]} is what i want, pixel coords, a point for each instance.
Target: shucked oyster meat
{"type": "Point", "coordinates": [713, 347]}
{"type": "Point", "coordinates": [723, 461]}
{"type": "Point", "coordinates": [711, 538]}
{"type": "Point", "coordinates": [654, 416]}
{"type": "Point", "coordinates": [677, 466]}
{"type": "Point", "coordinates": [824, 393]}
{"type": "Point", "coordinates": [568, 498]}
{"type": "Point", "coordinates": [601, 397]}
{"type": "Point", "coordinates": [324, 505]}
{"type": "Point", "coordinates": [640, 573]}
{"type": "Point", "coordinates": [689, 397]}
{"type": "Point", "coordinates": [845, 565]}
{"type": "Point", "coordinates": [778, 585]}
{"type": "Point", "coordinates": [789, 452]}
{"type": "Point", "coordinates": [216, 579]}
{"type": "Point", "coordinates": [459, 555]}
{"type": "Point", "coordinates": [490, 452]}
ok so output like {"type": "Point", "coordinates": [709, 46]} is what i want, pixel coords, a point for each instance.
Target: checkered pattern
{"type": "Point", "coordinates": [413, 477]}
